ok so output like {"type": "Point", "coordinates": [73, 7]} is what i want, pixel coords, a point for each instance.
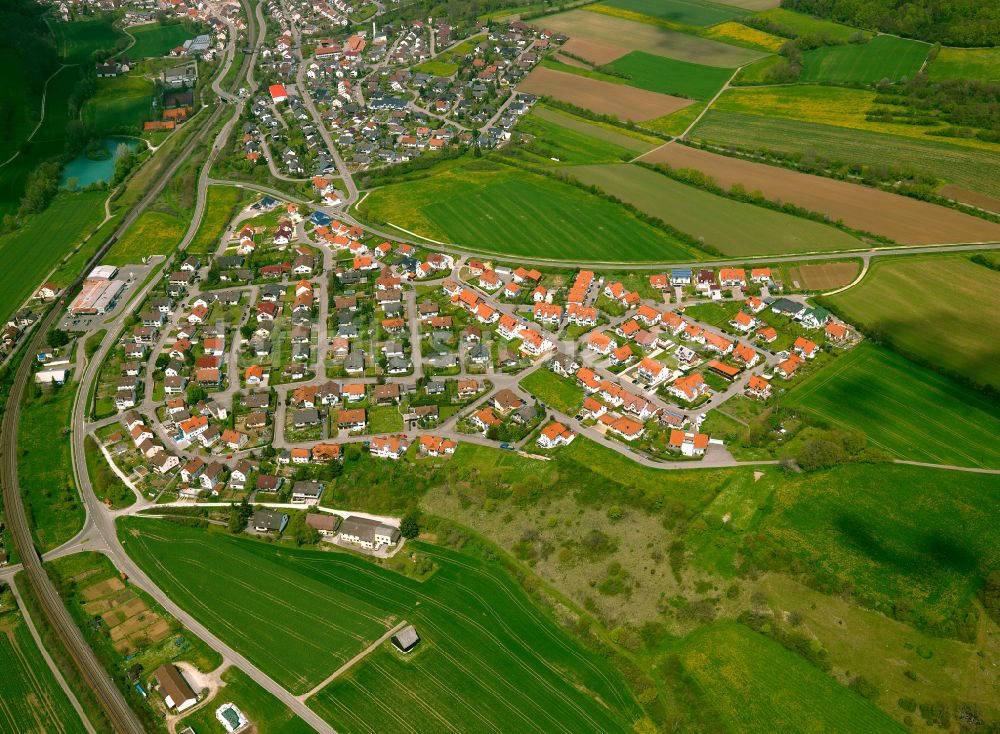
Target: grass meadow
{"type": "Point", "coordinates": [222, 204]}
{"type": "Point", "coordinates": [941, 309]}
{"type": "Point", "coordinates": [756, 685]}
{"type": "Point", "coordinates": [903, 408]}
{"type": "Point", "coordinates": [48, 142]}
{"type": "Point", "coordinates": [437, 68]}
{"type": "Point", "coordinates": [77, 40]}
{"type": "Point", "coordinates": [19, 106]}
{"type": "Point", "coordinates": [883, 57]}
{"type": "Point", "coordinates": [481, 635]}
{"type": "Point", "coordinates": [620, 137]}
{"type": "Point", "coordinates": [982, 64]}
{"type": "Point", "coordinates": [911, 542]}
{"type": "Point", "coordinates": [552, 140]}
{"type": "Point", "coordinates": [562, 394]}
{"type": "Point", "coordinates": [841, 106]}
{"type": "Point", "coordinates": [120, 105]}
{"type": "Point", "coordinates": [732, 227]}
{"type": "Point", "coordinates": [28, 254]}
{"type": "Point", "coordinates": [30, 698]}
{"type": "Point", "coordinates": [801, 24]}
{"type": "Point", "coordinates": [687, 12]}
{"type": "Point", "coordinates": [153, 233]}
{"type": "Point", "coordinates": [52, 504]}
{"type": "Point", "coordinates": [966, 167]}
{"type": "Point", "coordinates": [155, 39]}
{"type": "Point", "coordinates": [500, 209]}
{"type": "Point", "coordinates": [670, 76]}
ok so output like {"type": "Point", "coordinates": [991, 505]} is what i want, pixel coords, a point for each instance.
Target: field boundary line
{"type": "Point", "coordinates": [350, 663]}
{"type": "Point", "coordinates": [948, 467]}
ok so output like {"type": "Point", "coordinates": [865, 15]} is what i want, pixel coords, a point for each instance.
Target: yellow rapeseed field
{"type": "Point", "coordinates": [733, 31]}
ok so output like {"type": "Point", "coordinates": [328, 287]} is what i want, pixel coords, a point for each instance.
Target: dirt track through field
{"type": "Point", "coordinates": [598, 52]}
{"type": "Point", "coordinates": [604, 98]}
{"type": "Point", "coordinates": [905, 220]}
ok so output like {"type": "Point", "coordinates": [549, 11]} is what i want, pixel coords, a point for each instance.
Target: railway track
{"type": "Point", "coordinates": [122, 718]}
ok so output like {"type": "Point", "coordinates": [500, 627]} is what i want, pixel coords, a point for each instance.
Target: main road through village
{"type": "Point", "coordinates": [99, 532]}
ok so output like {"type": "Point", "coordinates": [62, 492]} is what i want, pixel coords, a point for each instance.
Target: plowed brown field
{"type": "Point", "coordinates": [604, 98]}
{"type": "Point", "coordinates": [598, 52]}
{"type": "Point", "coordinates": [905, 220]}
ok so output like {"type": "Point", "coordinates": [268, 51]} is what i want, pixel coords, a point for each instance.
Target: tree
{"type": "Point", "coordinates": [300, 532]}
{"type": "Point", "coordinates": [56, 337]}
{"type": "Point", "coordinates": [410, 526]}
{"type": "Point", "coordinates": [239, 516]}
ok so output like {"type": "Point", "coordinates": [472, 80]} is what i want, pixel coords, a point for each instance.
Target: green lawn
{"type": "Point", "coordinates": [51, 501]}
{"type": "Point", "coordinates": [911, 542]}
{"type": "Point", "coordinates": [222, 204]}
{"type": "Point", "coordinates": [480, 634]}
{"type": "Point", "coordinates": [552, 140]}
{"type": "Point", "coordinates": [687, 12]}
{"type": "Point", "coordinates": [756, 685]}
{"type": "Point", "coordinates": [156, 39]}
{"type": "Point", "coordinates": [120, 105]}
{"type": "Point", "coordinates": [107, 484]}
{"type": "Point", "coordinates": [153, 233]}
{"type": "Point", "coordinates": [500, 209]}
{"type": "Point", "coordinates": [28, 254]}
{"type": "Point", "coordinates": [385, 419]}
{"type": "Point", "coordinates": [883, 57]}
{"type": "Point", "coordinates": [32, 699]}
{"type": "Point", "coordinates": [268, 714]}
{"type": "Point", "coordinates": [982, 64]}
{"type": "Point", "coordinates": [670, 76]}
{"type": "Point", "coordinates": [967, 167]}
{"type": "Point", "coordinates": [562, 394]}
{"type": "Point", "coordinates": [436, 68]}
{"type": "Point", "coordinates": [939, 309]}
{"type": "Point", "coordinates": [732, 227]}
{"type": "Point", "coordinates": [77, 40]}
{"type": "Point", "coordinates": [903, 408]}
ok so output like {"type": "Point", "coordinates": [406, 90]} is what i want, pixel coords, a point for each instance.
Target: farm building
{"type": "Point", "coordinates": [368, 533]}
{"type": "Point", "coordinates": [406, 639]}
{"type": "Point", "coordinates": [176, 692]}
{"type": "Point", "coordinates": [231, 718]}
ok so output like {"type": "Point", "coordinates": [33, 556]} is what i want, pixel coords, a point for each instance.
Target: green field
{"type": "Point", "coordinates": [756, 685]}
{"type": "Point", "coordinates": [222, 204]}
{"type": "Point", "coordinates": [28, 254]}
{"type": "Point", "coordinates": [153, 233]}
{"type": "Point", "coordinates": [670, 76]}
{"type": "Point", "coordinates": [51, 501]}
{"type": "Point", "coordinates": [562, 394]}
{"type": "Point", "coordinates": [156, 40]}
{"type": "Point", "coordinates": [268, 714]}
{"type": "Point", "coordinates": [437, 68]}
{"type": "Point", "coordinates": [120, 105]}
{"type": "Point", "coordinates": [939, 309]}
{"type": "Point", "coordinates": [967, 167]}
{"type": "Point", "coordinates": [31, 699]}
{"type": "Point", "coordinates": [966, 63]}
{"type": "Point", "coordinates": [732, 227]}
{"type": "Point", "coordinates": [687, 12]}
{"type": "Point", "coordinates": [911, 542]}
{"type": "Point", "coordinates": [907, 410]}
{"type": "Point", "coordinates": [76, 41]}
{"type": "Point", "coordinates": [480, 634]}
{"type": "Point", "coordinates": [883, 57]}
{"type": "Point", "coordinates": [628, 139]}
{"type": "Point", "coordinates": [801, 24]}
{"type": "Point", "coordinates": [505, 210]}
{"type": "Point", "coordinates": [551, 140]}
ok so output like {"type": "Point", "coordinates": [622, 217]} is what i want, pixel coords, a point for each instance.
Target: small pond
{"type": "Point", "coordinates": [87, 170]}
